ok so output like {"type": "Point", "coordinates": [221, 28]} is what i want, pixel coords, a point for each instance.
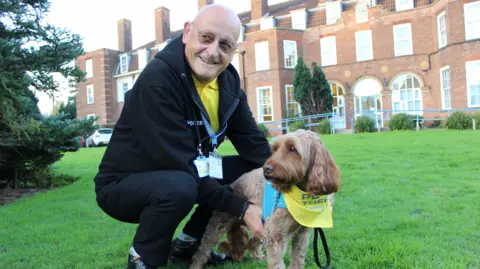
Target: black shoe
{"type": "Point", "coordinates": [137, 263]}
{"type": "Point", "coordinates": [182, 251]}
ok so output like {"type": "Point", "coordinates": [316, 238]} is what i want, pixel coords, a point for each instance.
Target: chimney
{"type": "Point", "coordinates": [259, 8]}
{"type": "Point", "coordinates": [202, 3]}
{"type": "Point", "coordinates": [124, 35]}
{"type": "Point", "coordinates": [162, 24]}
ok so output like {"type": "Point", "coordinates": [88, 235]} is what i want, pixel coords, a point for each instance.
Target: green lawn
{"type": "Point", "coordinates": [408, 200]}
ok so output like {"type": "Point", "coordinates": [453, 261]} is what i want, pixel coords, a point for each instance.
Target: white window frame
{"type": "Point", "coordinates": [472, 71]}
{"type": "Point", "coordinates": [409, 49]}
{"type": "Point", "coordinates": [89, 68]}
{"type": "Point", "coordinates": [262, 56]}
{"type": "Point", "coordinates": [333, 11]}
{"type": "Point", "coordinates": [403, 102]}
{"type": "Point", "coordinates": [123, 68]}
{"type": "Point", "coordinates": [472, 21]}
{"type": "Point", "coordinates": [121, 90]}
{"type": "Point", "coordinates": [442, 30]}
{"type": "Point", "coordinates": [286, 56]}
{"type": "Point", "coordinates": [299, 19]}
{"type": "Point", "coordinates": [92, 94]}
{"type": "Point", "coordinates": [328, 50]}
{"type": "Point", "coordinates": [401, 5]}
{"type": "Point", "coordinates": [260, 116]}
{"type": "Point", "coordinates": [288, 102]}
{"type": "Point", "coordinates": [368, 47]}
{"type": "Point", "coordinates": [446, 90]}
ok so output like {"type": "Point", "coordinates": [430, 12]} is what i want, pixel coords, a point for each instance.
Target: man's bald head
{"type": "Point", "coordinates": [221, 13]}
{"type": "Point", "coordinates": [211, 40]}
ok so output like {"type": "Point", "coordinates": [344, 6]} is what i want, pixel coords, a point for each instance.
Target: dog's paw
{"type": "Point", "coordinates": [224, 247]}
{"type": "Point", "coordinates": [259, 256]}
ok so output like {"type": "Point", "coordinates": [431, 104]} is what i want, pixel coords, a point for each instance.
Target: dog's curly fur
{"type": "Point", "coordinates": [298, 158]}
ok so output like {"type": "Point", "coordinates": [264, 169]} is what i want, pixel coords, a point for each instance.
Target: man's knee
{"type": "Point", "coordinates": [181, 194]}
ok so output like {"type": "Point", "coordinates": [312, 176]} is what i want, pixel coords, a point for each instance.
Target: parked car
{"type": "Point", "coordinates": [80, 140]}
{"type": "Point", "coordinates": [100, 137]}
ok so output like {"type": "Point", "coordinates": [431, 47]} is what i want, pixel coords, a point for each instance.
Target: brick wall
{"type": "Point", "coordinates": [104, 106]}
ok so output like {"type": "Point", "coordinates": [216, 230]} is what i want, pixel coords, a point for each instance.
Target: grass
{"type": "Point", "coordinates": [408, 200]}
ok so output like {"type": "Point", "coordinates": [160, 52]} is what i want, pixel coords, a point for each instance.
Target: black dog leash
{"type": "Point", "coordinates": [316, 231]}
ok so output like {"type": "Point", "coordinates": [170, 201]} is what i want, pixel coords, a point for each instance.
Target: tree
{"type": "Point", "coordinates": [30, 52]}
{"type": "Point", "coordinates": [312, 91]}
{"type": "Point", "coordinates": [69, 108]}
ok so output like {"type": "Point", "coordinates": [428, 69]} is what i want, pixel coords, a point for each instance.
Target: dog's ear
{"type": "Point", "coordinates": [324, 175]}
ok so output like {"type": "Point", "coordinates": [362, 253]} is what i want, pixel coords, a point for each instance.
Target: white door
{"type": "Point", "coordinates": [339, 119]}
{"type": "Point", "coordinates": [368, 100]}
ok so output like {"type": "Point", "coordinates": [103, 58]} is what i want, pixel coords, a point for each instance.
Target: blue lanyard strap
{"type": "Point", "coordinates": [210, 131]}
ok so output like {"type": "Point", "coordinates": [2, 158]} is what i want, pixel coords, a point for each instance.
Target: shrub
{"type": "Point", "coordinates": [296, 125]}
{"type": "Point", "coordinates": [264, 129]}
{"type": "Point", "coordinates": [459, 121]}
{"type": "Point", "coordinates": [476, 116]}
{"type": "Point", "coordinates": [401, 121]}
{"type": "Point", "coordinates": [437, 122]}
{"type": "Point", "coordinates": [324, 127]}
{"type": "Point", "coordinates": [364, 124]}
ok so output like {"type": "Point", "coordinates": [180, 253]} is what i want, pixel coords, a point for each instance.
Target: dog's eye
{"type": "Point", "coordinates": [292, 149]}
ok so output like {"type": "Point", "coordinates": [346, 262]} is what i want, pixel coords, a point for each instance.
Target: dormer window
{"type": "Point", "coordinates": [142, 58]}
{"type": "Point", "coordinates": [241, 36]}
{"type": "Point", "coordinates": [334, 11]}
{"type": "Point", "coordinates": [403, 5]}
{"type": "Point", "coordinates": [267, 23]}
{"type": "Point", "coordinates": [299, 19]}
{"type": "Point", "coordinates": [123, 63]}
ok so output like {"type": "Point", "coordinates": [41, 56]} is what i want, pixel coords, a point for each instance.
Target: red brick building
{"type": "Point", "coordinates": [409, 55]}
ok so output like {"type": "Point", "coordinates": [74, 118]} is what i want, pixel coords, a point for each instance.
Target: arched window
{"type": "Point", "coordinates": [407, 95]}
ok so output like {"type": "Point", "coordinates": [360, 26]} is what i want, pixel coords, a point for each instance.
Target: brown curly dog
{"type": "Point", "coordinates": [298, 158]}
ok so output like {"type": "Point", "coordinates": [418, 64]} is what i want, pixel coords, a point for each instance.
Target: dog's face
{"type": "Point", "coordinates": [300, 158]}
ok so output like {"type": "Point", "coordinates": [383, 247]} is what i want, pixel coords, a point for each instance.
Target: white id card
{"type": "Point", "coordinates": [215, 166]}
{"type": "Point", "coordinates": [202, 166]}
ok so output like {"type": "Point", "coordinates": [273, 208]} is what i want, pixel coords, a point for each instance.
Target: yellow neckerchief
{"type": "Point", "coordinates": [209, 94]}
{"type": "Point", "coordinates": [309, 210]}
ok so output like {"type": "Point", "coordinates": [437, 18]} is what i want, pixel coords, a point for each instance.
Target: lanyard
{"type": "Point", "coordinates": [211, 133]}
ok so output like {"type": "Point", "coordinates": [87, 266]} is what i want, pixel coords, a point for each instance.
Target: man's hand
{"type": "Point", "coordinates": [253, 219]}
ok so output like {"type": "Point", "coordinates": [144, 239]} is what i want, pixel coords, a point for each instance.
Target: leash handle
{"type": "Point", "coordinates": [316, 231]}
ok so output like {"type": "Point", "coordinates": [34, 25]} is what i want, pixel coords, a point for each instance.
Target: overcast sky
{"type": "Point", "coordinates": [96, 21]}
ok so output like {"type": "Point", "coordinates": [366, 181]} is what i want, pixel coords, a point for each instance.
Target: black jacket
{"type": "Point", "coordinates": [160, 127]}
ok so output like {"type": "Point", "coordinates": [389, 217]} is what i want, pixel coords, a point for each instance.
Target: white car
{"type": "Point", "coordinates": [100, 137]}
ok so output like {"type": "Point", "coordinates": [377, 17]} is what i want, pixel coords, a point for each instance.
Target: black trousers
{"type": "Point", "coordinates": [158, 201]}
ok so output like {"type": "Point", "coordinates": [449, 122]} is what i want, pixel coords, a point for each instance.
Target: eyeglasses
{"type": "Point", "coordinates": [207, 38]}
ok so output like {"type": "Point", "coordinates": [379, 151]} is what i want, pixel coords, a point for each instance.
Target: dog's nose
{"type": "Point", "coordinates": [267, 169]}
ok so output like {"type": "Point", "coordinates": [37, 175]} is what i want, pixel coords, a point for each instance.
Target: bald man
{"type": "Point", "coordinates": [162, 160]}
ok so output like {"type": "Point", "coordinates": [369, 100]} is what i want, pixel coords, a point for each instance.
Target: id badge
{"type": "Point", "coordinates": [202, 165]}
{"type": "Point", "coordinates": [215, 166]}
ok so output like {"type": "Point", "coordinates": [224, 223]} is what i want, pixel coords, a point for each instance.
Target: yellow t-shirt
{"type": "Point", "coordinates": [210, 97]}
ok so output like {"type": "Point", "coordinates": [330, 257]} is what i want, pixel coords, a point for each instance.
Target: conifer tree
{"type": "Point", "coordinates": [312, 91]}
{"type": "Point", "coordinates": [31, 51]}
